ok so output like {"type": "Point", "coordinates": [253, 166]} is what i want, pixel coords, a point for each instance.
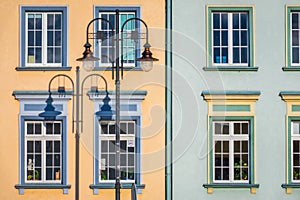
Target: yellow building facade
{"type": "Point", "coordinates": [42, 39]}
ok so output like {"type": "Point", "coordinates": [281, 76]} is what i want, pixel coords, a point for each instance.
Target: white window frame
{"type": "Point", "coordinates": [230, 39]}
{"type": "Point", "coordinates": [231, 138]}
{"type": "Point", "coordinates": [294, 137]}
{"type": "Point", "coordinates": [43, 138]}
{"type": "Point", "coordinates": [111, 137]}
{"type": "Point", "coordinates": [291, 36]}
{"type": "Point", "coordinates": [44, 45]}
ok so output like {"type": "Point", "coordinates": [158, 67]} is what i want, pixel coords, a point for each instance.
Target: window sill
{"type": "Point", "coordinates": [230, 68]}
{"type": "Point", "coordinates": [21, 187]}
{"type": "Point", "coordinates": [289, 186]}
{"type": "Point", "coordinates": [290, 69]}
{"type": "Point", "coordinates": [23, 68]}
{"type": "Point", "coordinates": [95, 187]}
{"type": "Point", "coordinates": [111, 68]}
{"type": "Point", "coordinates": [210, 187]}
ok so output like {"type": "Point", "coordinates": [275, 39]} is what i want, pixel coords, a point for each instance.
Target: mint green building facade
{"type": "Point", "coordinates": [233, 124]}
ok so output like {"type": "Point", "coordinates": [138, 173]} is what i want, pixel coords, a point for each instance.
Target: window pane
{"type": "Point", "coordinates": [104, 146]}
{"type": "Point", "coordinates": [236, 38]}
{"type": "Point", "coordinates": [224, 38]}
{"type": "Point", "coordinates": [38, 55]}
{"type": "Point", "coordinates": [57, 55]}
{"type": "Point", "coordinates": [50, 21]}
{"type": "Point", "coordinates": [49, 128]}
{"type": "Point", "coordinates": [295, 55]}
{"type": "Point", "coordinates": [296, 146]}
{"type": "Point", "coordinates": [295, 20]}
{"type": "Point", "coordinates": [295, 38]}
{"type": "Point", "coordinates": [57, 146]}
{"type": "Point", "coordinates": [50, 57]}
{"type": "Point", "coordinates": [29, 146]}
{"type": "Point", "coordinates": [244, 55]}
{"type": "Point", "coordinates": [58, 21]}
{"type": "Point", "coordinates": [216, 38]}
{"type": "Point", "coordinates": [224, 55]}
{"type": "Point", "coordinates": [244, 21]}
{"type": "Point", "coordinates": [235, 21]}
{"type": "Point", "coordinates": [57, 38]}
{"type": "Point", "coordinates": [244, 38]}
{"type": "Point", "coordinates": [49, 146]}
{"type": "Point", "coordinates": [38, 128]}
{"type": "Point", "coordinates": [38, 21]}
{"type": "Point", "coordinates": [224, 18]}
{"type": "Point", "coordinates": [216, 21]}
{"type": "Point", "coordinates": [217, 58]}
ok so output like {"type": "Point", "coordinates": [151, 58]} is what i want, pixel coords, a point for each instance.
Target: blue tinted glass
{"type": "Point", "coordinates": [57, 38]}
{"type": "Point", "coordinates": [224, 38]}
{"type": "Point", "coordinates": [244, 38]}
{"type": "Point", "coordinates": [50, 20]}
{"type": "Point", "coordinates": [244, 55]}
{"type": "Point", "coordinates": [235, 21]}
{"type": "Point", "coordinates": [57, 21]}
{"type": "Point", "coordinates": [224, 55]}
{"type": "Point", "coordinates": [295, 38]}
{"type": "Point", "coordinates": [224, 18]}
{"type": "Point", "coordinates": [38, 38]}
{"type": "Point", "coordinates": [50, 55]}
{"type": "Point", "coordinates": [122, 20]}
{"type": "Point", "coordinates": [50, 38]}
{"type": "Point", "coordinates": [38, 55]}
{"type": "Point", "coordinates": [30, 22]}
{"type": "Point", "coordinates": [295, 55]}
{"type": "Point", "coordinates": [57, 55]}
{"type": "Point", "coordinates": [104, 24]}
{"type": "Point", "coordinates": [295, 20]}
{"type": "Point", "coordinates": [236, 55]}
{"type": "Point", "coordinates": [30, 38]}
{"type": "Point", "coordinates": [244, 21]}
{"type": "Point", "coordinates": [216, 21]}
{"type": "Point", "coordinates": [236, 38]}
{"type": "Point", "coordinates": [217, 58]}
{"type": "Point", "coordinates": [112, 20]}
{"type": "Point", "coordinates": [216, 38]}
{"type": "Point", "coordinates": [38, 21]}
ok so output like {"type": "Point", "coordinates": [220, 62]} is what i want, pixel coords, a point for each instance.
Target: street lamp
{"type": "Point", "coordinates": [105, 112]}
{"type": "Point", "coordinates": [88, 60]}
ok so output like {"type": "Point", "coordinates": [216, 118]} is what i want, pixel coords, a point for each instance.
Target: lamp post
{"type": "Point", "coordinates": [50, 113]}
{"type": "Point", "coordinates": [146, 64]}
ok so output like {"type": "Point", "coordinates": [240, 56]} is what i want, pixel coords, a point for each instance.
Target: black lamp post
{"type": "Point", "coordinates": [105, 113]}
{"type": "Point", "coordinates": [146, 64]}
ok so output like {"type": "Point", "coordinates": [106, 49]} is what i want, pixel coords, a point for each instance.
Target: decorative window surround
{"type": "Point", "coordinates": [31, 104]}
{"type": "Point", "coordinates": [43, 41]}
{"type": "Point", "coordinates": [130, 109]}
{"type": "Point", "coordinates": [231, 106]}
{"type": "Point", "coordinates": [228, 60]}
{"type": "Point", "coordinates": [292, 100]}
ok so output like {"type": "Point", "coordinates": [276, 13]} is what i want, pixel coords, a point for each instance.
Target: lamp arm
{"type": "Point", "coordinates": [92, 21]}
{"type": "Point", "coordinates": [135, 19]}
{"type": "Point", "coordinates": [81, 92]}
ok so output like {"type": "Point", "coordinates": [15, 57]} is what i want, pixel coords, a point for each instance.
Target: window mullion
{"type": "Point", "coordinates": [44, 39]}
{"type": "Point", "coordinates": [230, 40]}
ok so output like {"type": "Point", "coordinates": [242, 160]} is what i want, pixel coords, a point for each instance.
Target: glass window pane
{"type": "Point", "coordinates": [244, 20]}
{"type": "Point", "coordinates": [49, 174]}
{"type": "Point", "coordinates": [57, 38]}
{"type": "Point", "coordinates": [112, 146]}
{"type": "Point", "coordinates": [38, 128]}
{"type": "Point", "coordinates": [49, 128]}
{"type": "Point", "coordinates": [49, 160]}
{"type": "Point", "coordinates": [296, 146]}
{"type": "Point", "coordinates": [216, 21]}
{"type": "Point", "coordinates": [225, 146]}
{"type": "Point", "coordinates": [38, 147]}
{"type": "Point", "coordinates": [295, 55]}
{"type": "Point", "coordinates": [123, 145]}
{"type": "Point", "coordinates": [38, 55]}
{"type": "Point", "coordinates": [30, 21]}
{"type": "Point", "coordinates": [104, 146]}
{"type": "Point", "coordinates": [225, 173]}
{"type": "Point", "coordinates": [57, 128]}
{"type": "Point", "coordinates": [38, 21]}
{"type": "Point", "coordinates": [244, 38]}
{"type": "Point", "coordinates": [123, 127]}
{"type": "Point", "coordinates": [58, 21]}
{"type": "Point", "coordinates": [224, 38]}
{"type": "Point", "coordinates": [58, 55]}
{"type": "Point", "coordinates": [216, 38]}
{"type": "Point", "coordinates": [30, 41]}
{"type": "Point", "coordinates": [245, 128]}
{"type": "Point", "coordinates": [224, 55]}
{"type": "Point", "coordinates": [38, 38]}
{"type": "Point", "coordinates": [29, 146]}
{"type": "Point", "coordinates": [38, 160]}
{"type": "Point", "coordinates": [244, 55]}
{"type": "Point", "coordinates": [29, 128]}
{"type": "Point", "coordinates": [295, 20]}
{"type": "Point", "coordinates": [237, 128]}
{"type": "Point", "coordinates": [295, 38]}
{"type": "Point", "coordinates": [50, 57]}
{"type": "Point", "coordinates": [235, 20]}
{"type": "Point", "coordinates": [57, 146]}
{"type": "Point", "coordinates": [218, 174]}
{"type": "Point", "coordinates": [224, 18]}
{"type": "Point", "coordinates": [49, 146]}
{"type": "Point", "coordinates": [236, 38]}
{"type": "Point", "coordinates": [50, 21]}
{"type": "Point", "coordinates": [217, 58]}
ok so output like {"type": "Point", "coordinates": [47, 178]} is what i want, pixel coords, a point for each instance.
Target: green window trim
{"type": "Point", "coordinates": [289, 66]}
{"type": "Point", "coordinates": [251, 150]}
{"type": "Point", "coordinates": [289, 156]}
{"type": "Point", "coordinates": [210, 66]}
{"type": "Point", "coordinates": [231, 108]}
